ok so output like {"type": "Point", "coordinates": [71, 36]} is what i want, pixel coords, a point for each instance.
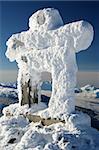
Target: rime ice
{"type": "Point", "coordinates": [49, 46]}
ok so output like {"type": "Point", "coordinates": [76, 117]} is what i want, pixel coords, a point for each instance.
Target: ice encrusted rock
{"type": "Point", "coordinates": [17, 133]}
{"type": "Point", "coordinates": [50, 46]}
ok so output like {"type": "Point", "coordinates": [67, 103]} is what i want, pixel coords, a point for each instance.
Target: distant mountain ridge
{"type": "Point", "coordinates": [9, 85]}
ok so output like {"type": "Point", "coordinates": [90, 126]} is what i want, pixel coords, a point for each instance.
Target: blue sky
{"type": "Point", "coordinates": [14, 18]}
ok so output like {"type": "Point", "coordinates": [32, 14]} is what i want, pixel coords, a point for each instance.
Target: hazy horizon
{"type": "Point", "coordinates": [83, 77]}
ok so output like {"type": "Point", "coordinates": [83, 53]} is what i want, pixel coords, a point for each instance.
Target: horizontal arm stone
{"type": "Point", "coordinates": [81, 32]}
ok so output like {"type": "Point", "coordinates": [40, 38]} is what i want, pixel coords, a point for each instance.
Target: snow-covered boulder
{"type": "Point", "coordinates": [88, 88]}
{"type": "Point", "coordinates": [18, 134]}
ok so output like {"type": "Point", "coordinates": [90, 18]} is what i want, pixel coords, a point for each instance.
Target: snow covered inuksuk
{"type": "Point", "coordinates": [49, 46]}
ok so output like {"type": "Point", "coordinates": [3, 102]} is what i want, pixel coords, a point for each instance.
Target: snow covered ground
{"type": "Point", "coordinates": [87, 96]}
{"type": "Point", "coordinates": [8, 94]}
{"type": "Point", "coordinates": [19, 134]}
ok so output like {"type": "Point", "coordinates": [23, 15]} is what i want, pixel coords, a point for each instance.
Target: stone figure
{"type": "Point", "coordinates": [49, 46]}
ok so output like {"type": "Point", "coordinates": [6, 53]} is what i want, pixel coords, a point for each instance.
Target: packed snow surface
{"type": "Point", "coordinates": [19, 134]}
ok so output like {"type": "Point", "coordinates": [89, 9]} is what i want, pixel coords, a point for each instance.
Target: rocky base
{"type": "Point", "coordinates": [71, 132]}
{"type": "Point", "coordinates": [18, 133]}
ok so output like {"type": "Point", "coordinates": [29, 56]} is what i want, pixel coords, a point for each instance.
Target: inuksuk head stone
{"type": "Point", "coordinates": [49, 46]}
